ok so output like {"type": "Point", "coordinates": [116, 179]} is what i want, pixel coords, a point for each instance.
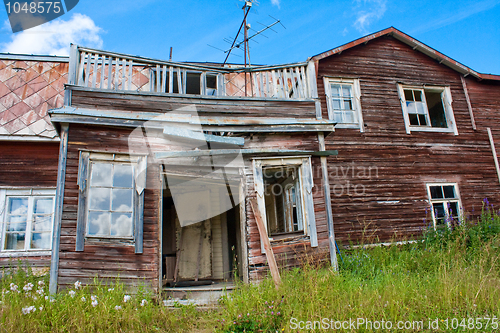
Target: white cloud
{"type": "Point", "coordinates": [276, 3]}
{"type": "Point", "coordinates": [53, 38]}
{"type": "Point", "coordinates": [368, 11]}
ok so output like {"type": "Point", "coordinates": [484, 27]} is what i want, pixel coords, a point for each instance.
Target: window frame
{"type": "Point", "coordinates": [31, 194]}
{"type": "Point", "coordinates": [444, 201]}
{"type": "Point", "coordinates": [139, 183]}
{"type": "Point", "coordinates": [446, 99]}
{"type": "Point", "coordinates": [356, 91]}
{"type": "Point", "coordinates": [306, 185]}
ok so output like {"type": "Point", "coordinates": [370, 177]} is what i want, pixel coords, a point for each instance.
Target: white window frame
{"type": "Point", "coordinates": [447, 101]}
{"type": "Point", "coordinates": [306, 182]}
{"type": "Point", "coordinates": [444, 201]}
{"type": "Point", "coordinates": [356, 90]}
{"type": "Point", "coordinates": [31, 194]}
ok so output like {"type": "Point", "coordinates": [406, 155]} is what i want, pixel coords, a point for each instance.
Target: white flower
{"type": "Point", "coordinates": [126, 298]}
{"type": "Point", "coordinates": [111, 289]}
{"type": "Point", "coordinates": [40, 292]}
{"type": "Point", "coordinates": [118, 307]}
{"type": "Point", "coordinates": [46, 297]}
{"type": "Point", "coordinates": [83, 299]}
{"type": "Point", "coordinates": [41, 283]}
{"type": "Point", "coordinates": [13, 287]}
{"type": "Point", "coordinates": [78, 285]}
{"type": "Point", "coordinates": [144, 302]}
{"type": "Point", "coordinates": [72, 293]}
{"type": "Point", "coordinates": [35, 298]}
{"type": "Point", "coordinates": [52, 300]}
{"type": "Point", "coordinates": [28, 309]}
{"type": "Point", "coordinates": [93, 298]}
{"type": "Point", "coordinates": [94, 303]}
{"type": "Point", "coordinates": [27, 287]}
{"type": "Point", "coordinates": [40, 308]}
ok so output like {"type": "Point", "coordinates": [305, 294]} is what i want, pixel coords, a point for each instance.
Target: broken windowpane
{"type": "Point", "coordinates": [445, 204]}
{"type": "Point", "coordinates": [425, 107]}
{"type": "Point", "coordinates": [282, 198]}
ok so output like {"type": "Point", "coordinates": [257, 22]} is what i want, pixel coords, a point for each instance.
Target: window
{"type": "Point", "coordinates": [343, 101]}
{"type": "Point", "coordinates": [27, 219]}
{"type": "Point", "coordinates": [427, 109]}
{"type": "Point", "coordinates": [445, 203]}
{"type": "Point", "coordinates": [284, 196]}
{"type": "Point", "coordinates": [111, 199]}
{"type": "Point", "coordinates": [111, 196]}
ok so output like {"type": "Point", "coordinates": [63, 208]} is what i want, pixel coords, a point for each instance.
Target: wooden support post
{"type": "Point", "coordinates": [273, 267]}
{"type": "Point", "coordinates": [494, 152]}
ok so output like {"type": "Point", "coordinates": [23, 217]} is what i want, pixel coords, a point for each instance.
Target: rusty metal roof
{"type": "Point", "coordinates": [415, 44]}
{"type": "Point", "coordinates": [29, 87]}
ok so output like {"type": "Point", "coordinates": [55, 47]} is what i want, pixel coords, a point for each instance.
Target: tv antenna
{"type": "Point", "coordinates": [245, 26]}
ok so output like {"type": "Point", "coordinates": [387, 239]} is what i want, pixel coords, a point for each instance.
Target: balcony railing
{"type": "Point", "coordinates": [103, 70]}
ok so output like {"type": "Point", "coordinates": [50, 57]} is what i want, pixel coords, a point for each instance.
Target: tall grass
{"type": "Point", "coordinates": [449, 273]}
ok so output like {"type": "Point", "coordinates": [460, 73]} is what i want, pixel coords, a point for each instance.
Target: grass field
{"type": "Point", "coordinates": [447, 281]}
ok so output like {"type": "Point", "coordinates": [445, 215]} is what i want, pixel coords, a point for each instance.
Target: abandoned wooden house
{"type": "Point", "coordinates": [160, 168]}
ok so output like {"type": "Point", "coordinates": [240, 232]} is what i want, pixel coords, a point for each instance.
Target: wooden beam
{"type": "Point", "coordinates": [56, 227]}
{"type": "Point", "coordinates": [215, 152]}
{"type": "Point", "coordinates": [493, 150]}
{"type": "Point", "coordinates": [469, 105]}
{"type": "Point", "coordinates": [271, 260]}
{"type": "Point", "coordinates": [200, 136]}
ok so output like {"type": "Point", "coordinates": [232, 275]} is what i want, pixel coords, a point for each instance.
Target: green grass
{"type": "Point", "coordinates": [449, 274]}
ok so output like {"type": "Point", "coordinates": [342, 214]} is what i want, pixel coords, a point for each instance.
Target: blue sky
{"type": "Point", "coordinates": [467, 31]}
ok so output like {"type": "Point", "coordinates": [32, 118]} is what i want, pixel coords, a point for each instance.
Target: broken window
{"type": "Point", "coordinates": [28, 218]}
{"type": "Point", "coordinates": [283, 199]}
{"type": "Point", "coordinates": [284, 196]}
{"type": "Point", "coordinates": [427, 109]}
{"type": "Point", "coordinates": [445, 203]}
{"type": "Point", "coordinates": [111, 198]}
{"type": "Point", "coordinates": [343, 101]}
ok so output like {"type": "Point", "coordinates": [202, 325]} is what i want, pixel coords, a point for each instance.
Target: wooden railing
{"type": "Point", "coordinates": [113, 71]}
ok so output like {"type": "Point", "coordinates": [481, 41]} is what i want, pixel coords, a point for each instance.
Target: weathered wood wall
{"type": "Point", "coordinates": [107, 259]}
{"type": "Point", "coordinates": [82, 97]}
{"type": "Point", "coordinates": [293, 252]}
{"type": "Point", "coordinates": [29, 165]}
{"type": "Point", "coordinates": [378, 180]}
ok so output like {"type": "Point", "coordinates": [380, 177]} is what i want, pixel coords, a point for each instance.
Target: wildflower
{"type": "Point", "coordinates": [72, 293]}
{"type": "Point", "coordinates": [118, 307]}
{"type": "Point", "coordinates": [40, 308]}
{"type": "Point", "coordinates": [83, 299]}
{"type": "Point", "coordinates": [111, 289]}
{"type": "Point", "coordinates": [46, 297]}
{"type": "Point", "coordinates": [93, 298]}
{"type": "Point", "coordinates": [28, 309]}
{"type": "Point", "coordinates": [41, 283]}
{"type": "Point", "coordinates": [78, 285]}
{"type": "Point", "coordinates": [126, 298]}
{"type": "Point", "coordinates": [28, 287]}
{"type": "Point", "coordinates": [35, 298]}
{"type": "Point", "coordinates": [144, 302]}
{"type": "Point", "coordinates": [40, 292]}
{"type": "Point", "coordinates": [13, 287]}
{"type": "Point", "coordinates": [94, 303]}
{"type": "Point", "coordinates": [52, 300]}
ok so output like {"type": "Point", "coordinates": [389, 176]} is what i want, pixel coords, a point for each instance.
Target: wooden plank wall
{"type": "Point", "coordinates": [288, 253]}
{"type": "Point", "coordinates": [107, 259]}
{"type": "Point", "coordinates": [205, 107]}
{"type": "Point", "coordinates": [28, 165]}
{"type": "Point", "coordinates": [385, 169]}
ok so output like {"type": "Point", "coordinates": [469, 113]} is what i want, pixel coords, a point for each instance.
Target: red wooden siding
{"type": "Point", "coordinates": [391, 202]}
